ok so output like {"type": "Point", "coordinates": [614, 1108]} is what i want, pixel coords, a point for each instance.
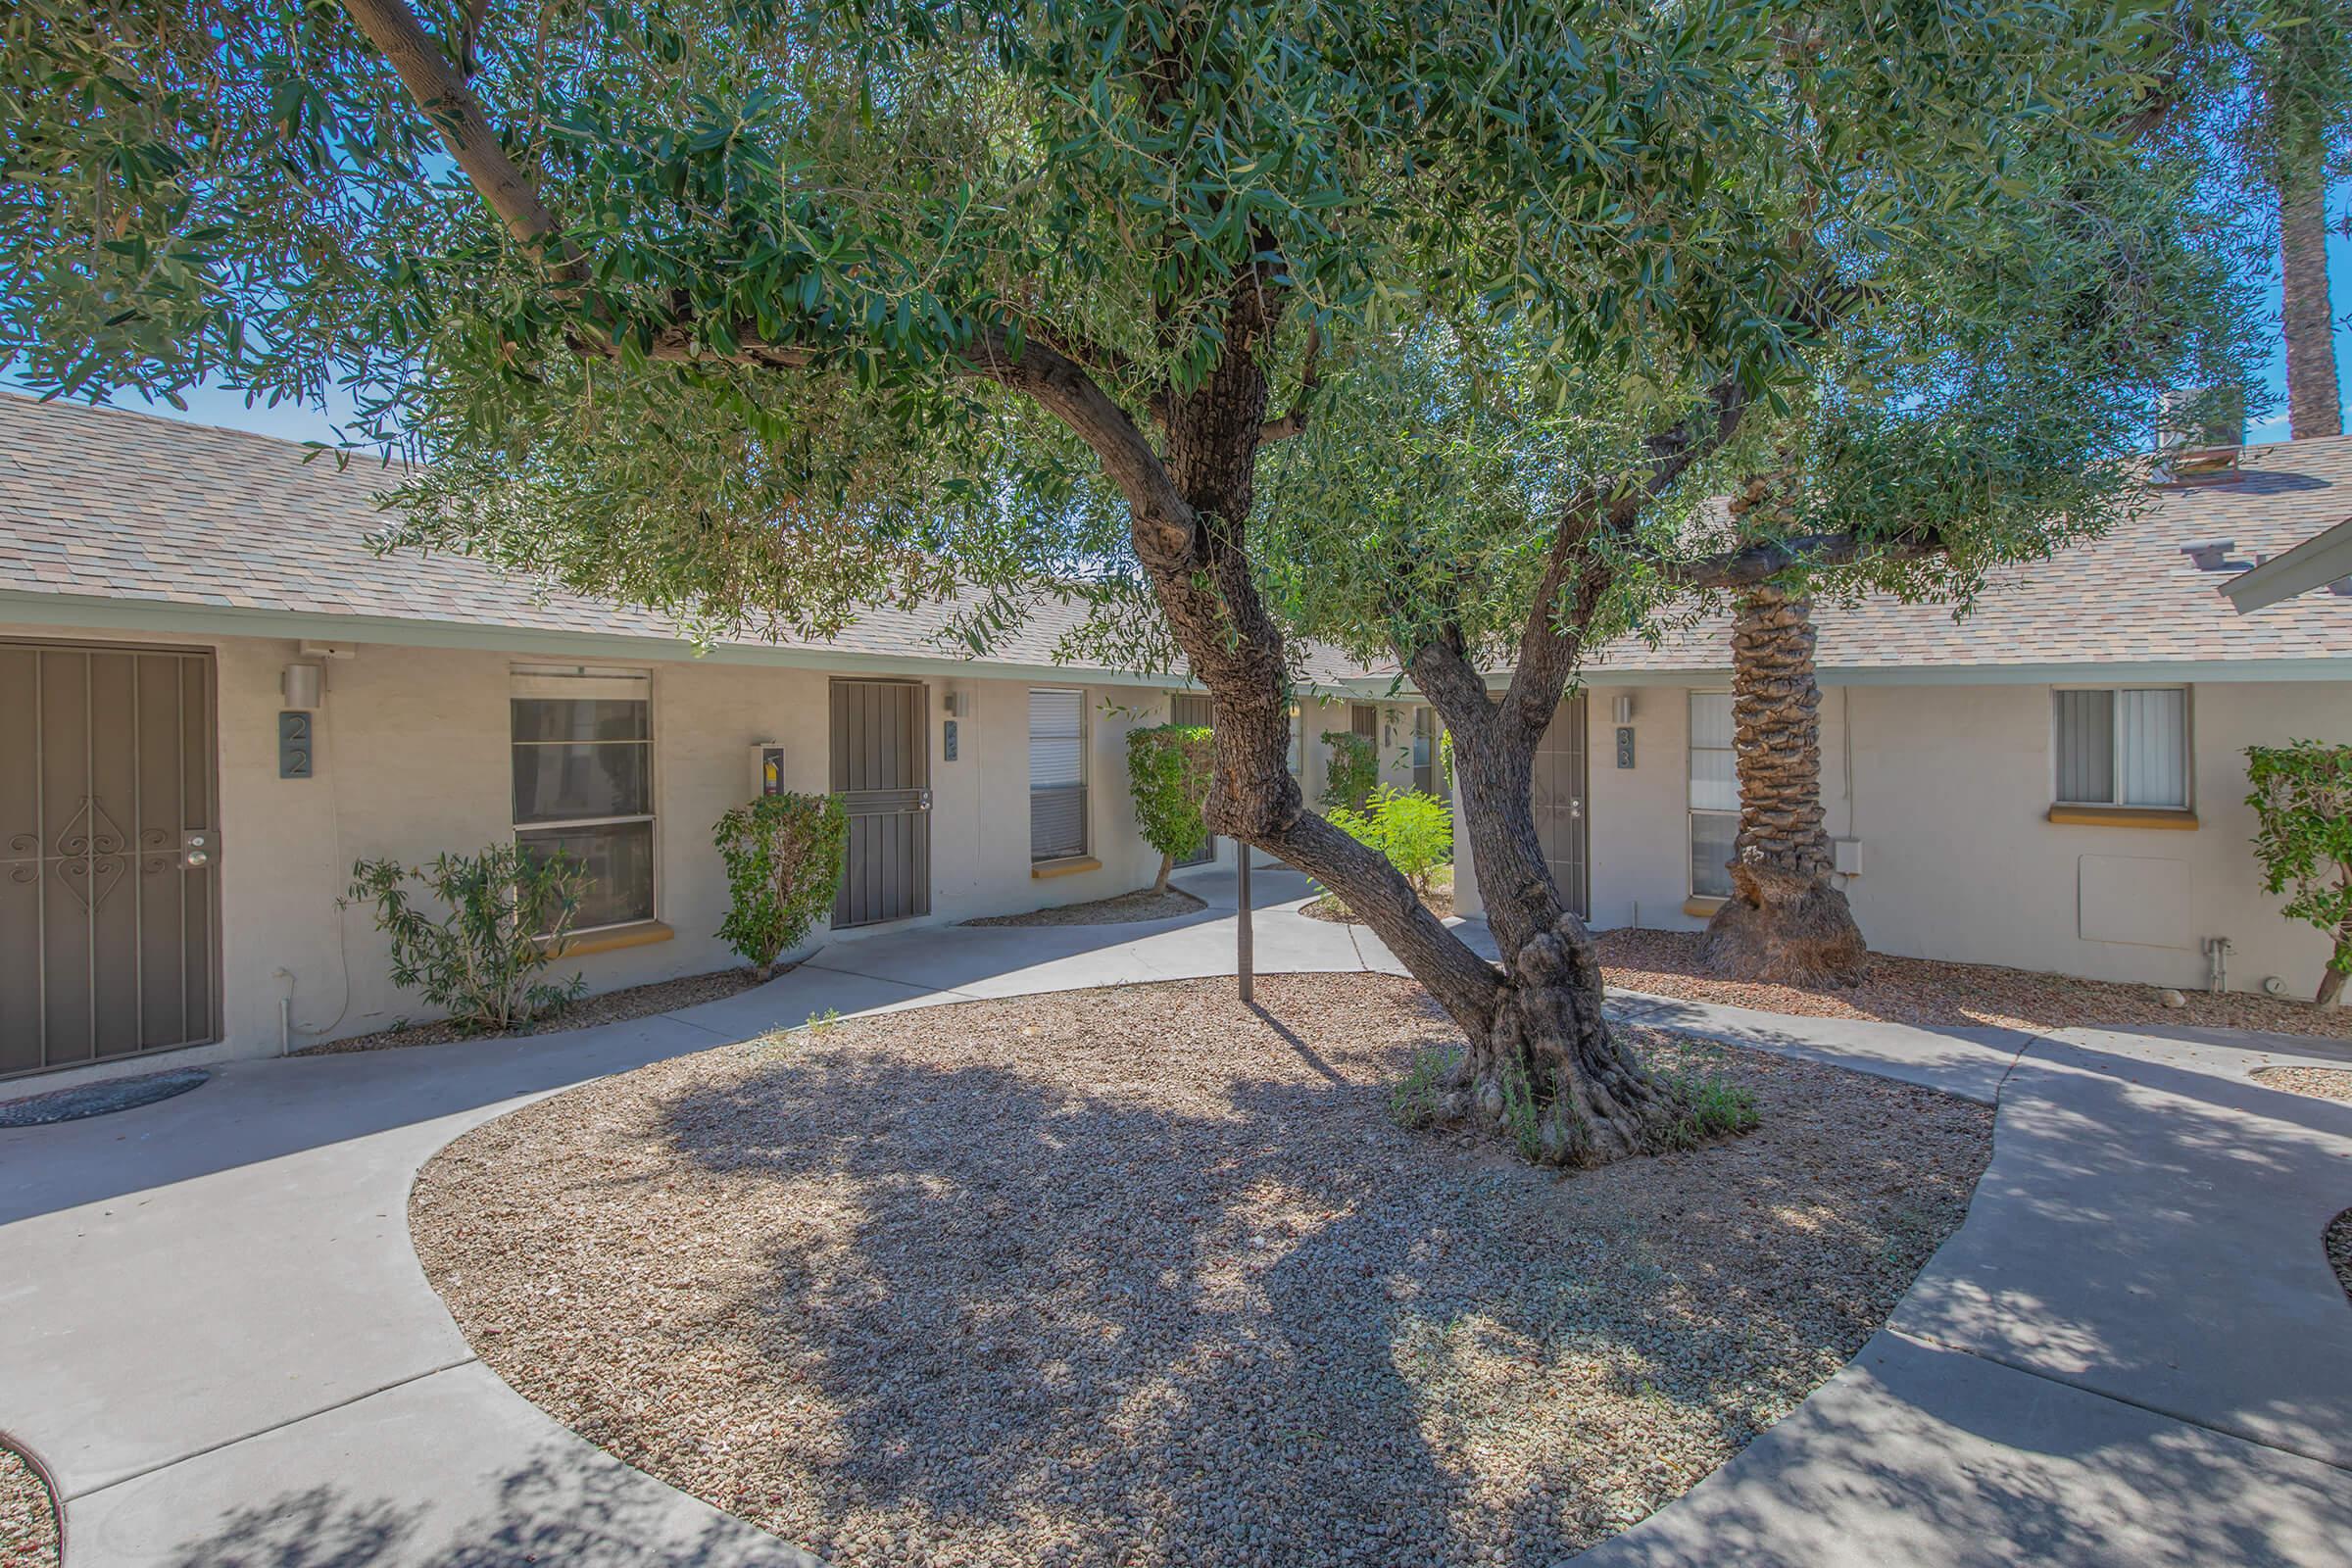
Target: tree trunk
{"type": "Point", "coordinates": [2331, 986]}
{"type": "Point", "coordinates": [1786, 922]}
{"type": "Point", "coordinates": [1549, 1072]}
{"type": "Point", "coordinates": [2313, 404]}
{"type": "Point", "coordinates": [1167, 864]}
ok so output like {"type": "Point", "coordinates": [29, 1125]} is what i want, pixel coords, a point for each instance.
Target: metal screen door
{"type": "Point", "coordinates": [109, 925]}
{"type": "Point", "coordinates": [1196, 713]}
{"type": "Point", "coordinates": [1560, 802]}
{"type": "Point", "coordinates": [882, 770]}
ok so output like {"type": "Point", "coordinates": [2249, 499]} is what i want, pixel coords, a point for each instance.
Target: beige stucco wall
{"type": "Point", "coordinates": [411, 758]}
{"type": "Point", "coordinates": [1950, 789]}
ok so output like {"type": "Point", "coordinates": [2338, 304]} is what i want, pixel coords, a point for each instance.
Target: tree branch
{"type": "Point", "coordinates": [1751, 564]}
{"type": "Point", "coordinates": [441, 92]}
{"type": "Point", "coordinates": [1310, 377]}
{"type": "Point", "coordinates": [1547, 656]}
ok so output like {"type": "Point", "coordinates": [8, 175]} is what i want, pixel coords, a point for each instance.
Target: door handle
{"type": "Point", "coordinates": [195, 851]}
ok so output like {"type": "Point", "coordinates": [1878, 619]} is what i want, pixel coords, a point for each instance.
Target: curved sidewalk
{"type": "Point", "coordinates": [219, 1339]}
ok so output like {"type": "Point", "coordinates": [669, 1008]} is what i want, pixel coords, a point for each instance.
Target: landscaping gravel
{"type": "Point", "coordinates": [1329, 907]}
{"type": "Point", "coordinates": [1930, 992]}
{"type": "Point", "coordinates": [1140, 1276]}
{"type": "Point", "coordinates": [1123, 908]}
{"type": "Point", "coordinates": [2326, 1083]}
{"type": "Point", "coordinates": [608, 1007]}
{"type": "Point", "coordinates": [2339, 1249]}
{"type": "Point", "coordinates": [27, 1523]}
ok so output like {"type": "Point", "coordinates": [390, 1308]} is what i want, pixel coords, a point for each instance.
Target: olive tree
{"type": "Point", "coordinates": [763, 310]}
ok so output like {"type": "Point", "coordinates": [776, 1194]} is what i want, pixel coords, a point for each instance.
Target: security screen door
{"type": "Point", "coordinates": [108, 912]}
{"type": "Point", "coordinates": [882, 771]}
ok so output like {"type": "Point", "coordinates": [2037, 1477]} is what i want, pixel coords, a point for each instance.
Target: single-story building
{"type": "Point", "coordinates": [2056, 781]}
{"type": "Point", "coordinates": [215, 697]}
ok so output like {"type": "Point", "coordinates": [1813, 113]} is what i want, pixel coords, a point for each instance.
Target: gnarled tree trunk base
{"type": "Point", "coordinates": [1782, 927]}
{"type": "Point", "coordinates": [1549, 1073]}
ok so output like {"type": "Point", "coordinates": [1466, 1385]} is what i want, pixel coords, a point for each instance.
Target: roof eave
{"type": "Point", "coordinates": [2314, 564]}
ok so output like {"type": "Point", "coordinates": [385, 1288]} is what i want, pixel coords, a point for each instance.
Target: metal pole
{"type": "Point", "coordinates": [1243, 957]}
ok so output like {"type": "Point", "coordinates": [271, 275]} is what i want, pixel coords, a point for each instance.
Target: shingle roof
{"type": "Point", "coordinates": [119, 504]}
{"type": "Point", "coordinates": [2131, 596]}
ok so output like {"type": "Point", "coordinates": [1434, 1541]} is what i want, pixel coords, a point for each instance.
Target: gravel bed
{"type": "Point", "coordinates": [1123, 908]}
{"type": "Point", "coordinates": [1138, 1276]}
{"type": "Point", "coordinates": [2339, 1249]}
{"type": "Point", "coordinates": [1927, 992]}
{"type": "Point", "coordinates": [607, 1007]}
{"type": "Point", "coordinates": [1329, 907]}
{"type": "Point", "coordinates": [2326, 1083]}
{"type": "Point", "coordinates": [28, 1522]}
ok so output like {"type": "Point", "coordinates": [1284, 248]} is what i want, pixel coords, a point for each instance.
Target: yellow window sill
{"type": "Point", "coordinates": [643, 934]}
{"type": "Point", "coordinates": [2125, 817]}
{"type": "Point", "coordinates": [1701, 908]}
{"type": "Point", "coordinates": [1069, 867]}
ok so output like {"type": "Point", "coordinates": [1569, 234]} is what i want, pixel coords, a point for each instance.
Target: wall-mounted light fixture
{"type": "Point", "coordinates": [304, 686]}
{"type": "Point", "coordinates": [1623, 708]}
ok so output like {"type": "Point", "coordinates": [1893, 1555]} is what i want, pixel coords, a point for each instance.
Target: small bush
{"type": "Point", "coordinates": [1354, 771]}
{"type": "Point", "coordinates": [1169, 767]}
{"type": "Point", "coordinates": [784, 855]}
{"type": "Point", "coordinates": [1413, 1100]}
{"type": "Point", "coordinates": [2302, 804]}
{"type": "Point", "coordinates": [509, 913]}
{"type": "Point", "coordinates": [1414, 830]}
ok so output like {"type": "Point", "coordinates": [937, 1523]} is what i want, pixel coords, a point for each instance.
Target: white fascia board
{"type": "Point", "coordinates": [166, 619]}
{"type": "Point", "coordinates": [2314, 564]}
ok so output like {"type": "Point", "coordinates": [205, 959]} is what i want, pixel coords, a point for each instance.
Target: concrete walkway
{"type": "Point", "coordinates": [219, 1339]}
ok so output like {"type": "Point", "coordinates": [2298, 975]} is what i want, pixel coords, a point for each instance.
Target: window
{"type": "Point", "coordinates": [1429, 755]}
{"type": "Point", "coordinates": [1714, 795]}
{"type": "Point", "coordinates": [2125, 747]}
{"type": "Point", "coordinates": [583, 763]}
{"type": "Point", "coordinates": [1057, 774]}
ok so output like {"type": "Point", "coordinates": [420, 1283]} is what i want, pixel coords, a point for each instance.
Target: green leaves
{"type": "Point", "coordinates": [2302, 800]}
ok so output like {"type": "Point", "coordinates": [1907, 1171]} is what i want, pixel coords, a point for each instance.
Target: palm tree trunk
{"type": "Point", "coordinates": [2313, 404]}
{"type": "Point", "coordinates": [1785, 923]}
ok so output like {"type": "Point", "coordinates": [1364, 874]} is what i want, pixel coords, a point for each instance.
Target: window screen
{"type": "Point", "coordinates": [1714, 795]}
{"type": "Point", "coordinates": [1057, 774]}
{"type": "Point", "coordinates": [2123, 747]}
{"type": "Point", "coordinates": [581, 744]}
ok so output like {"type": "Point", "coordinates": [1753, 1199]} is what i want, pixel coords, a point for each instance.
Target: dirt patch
{"type": "Point", "coordinates": [2323, 1083]}
{"type": "Point", "coordinates": [27, 1519]}
{"type": "Point", "coordinates": [1122, 908]}
{"type": "Point", "coordinates": [2339, 1249]}
{"type": "Point", "coordinates": [1929, 993]}
{"type": "Point", "coordinates": [608, 1007]}
{"type": "Point", "coordinates": [1140, 1276]}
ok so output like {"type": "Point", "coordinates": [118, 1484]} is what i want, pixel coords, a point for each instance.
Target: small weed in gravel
{"type": "Point", "coordinates": [1413, 1101]}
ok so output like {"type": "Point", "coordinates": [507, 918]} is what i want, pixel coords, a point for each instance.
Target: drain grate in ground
{"type": "Point", "coordinates": [96, 1099]}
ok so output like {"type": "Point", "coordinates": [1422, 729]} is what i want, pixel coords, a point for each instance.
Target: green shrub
{"type": "Point", "coordinates": [1413, 1101]}
{"type": "Point", "coordinates": [783, 855]}
{"type": "Point", "coordinates": [509, 913]}
{"type": "Point", "coordinates": [1414, 830]}
{"type": "Point", "coordinates": [1353, 771]}
{"type": "Point", "coordinates": [1168, 771]}
{"type": "Point", "coordinates": [2302, 804]}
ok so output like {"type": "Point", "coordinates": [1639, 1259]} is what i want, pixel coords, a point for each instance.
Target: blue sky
{"type": "Point", "coordinates": [293, 422]}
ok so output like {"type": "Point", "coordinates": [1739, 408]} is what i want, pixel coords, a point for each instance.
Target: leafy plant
{"type": "Point", "coordinates": [783, 855]}
{"type": "Point", "coordinates": [1414, 830]}
{"type": "Point", "coordinates": [2302, 800]}
{"type": "Point", "coordinates": [509, 913]}
{"type": "Point", "coordinates": [1413, 1100]}
{"type": "Point", "coordinates": [1354, 771]}
{"type": "Point", "coordinates": [1707, 1107]}
{"type": "Point", "coordinates": [1168, 772]}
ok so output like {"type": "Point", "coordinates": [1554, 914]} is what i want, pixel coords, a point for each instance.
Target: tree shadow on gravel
{"type": "Point", "coordinates": [1275, 1330]}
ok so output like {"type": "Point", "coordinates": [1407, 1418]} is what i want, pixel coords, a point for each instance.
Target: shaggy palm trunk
{"type": "Point", "coordinates": [2313, 405]}
{"type": "Point", "coordinates": [1785, 922]}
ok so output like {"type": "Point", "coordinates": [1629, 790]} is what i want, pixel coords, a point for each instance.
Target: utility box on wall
{"type": "Point", "coordinates": [767, 768]}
